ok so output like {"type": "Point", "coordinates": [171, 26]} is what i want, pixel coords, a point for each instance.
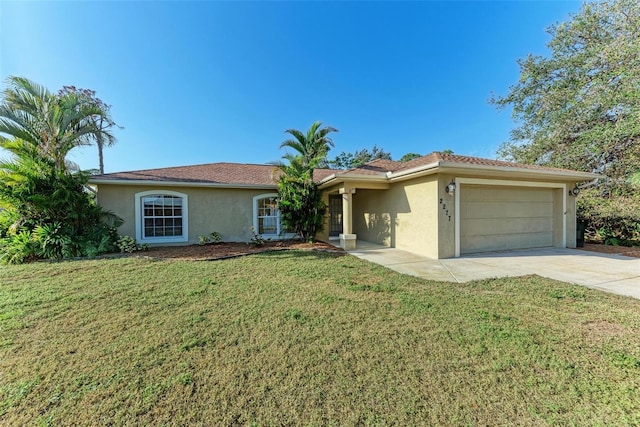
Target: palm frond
{"type": "Point", "coordinates": [55, 123]}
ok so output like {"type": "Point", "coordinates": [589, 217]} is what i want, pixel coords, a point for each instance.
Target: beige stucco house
{"type": "Point", "coordinates": [439, 205]}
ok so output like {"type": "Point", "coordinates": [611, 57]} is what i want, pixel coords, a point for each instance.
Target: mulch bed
{"type": "Point", "coordinates": [633, 251]}
{"type": "Point", "coordinates": [229, 250]}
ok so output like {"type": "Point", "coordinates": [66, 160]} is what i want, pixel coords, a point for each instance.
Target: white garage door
{"type": "Point", "coordinates": [502, 218]}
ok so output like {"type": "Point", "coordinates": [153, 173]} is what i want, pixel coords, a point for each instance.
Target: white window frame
{"type": "Point", "coordinates": [279, 234]}
{"type": "Point", "coordinates": [140, 218]}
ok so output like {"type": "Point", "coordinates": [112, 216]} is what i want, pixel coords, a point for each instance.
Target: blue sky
{"type": "Point", "coordinates": [200, 82]}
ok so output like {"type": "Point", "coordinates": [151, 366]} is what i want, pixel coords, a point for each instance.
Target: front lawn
{"type": "Point", "coordinates": [308, 338]}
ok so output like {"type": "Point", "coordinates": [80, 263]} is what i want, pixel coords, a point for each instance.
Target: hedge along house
{"type": "Point", "coordinates": [439, 205]}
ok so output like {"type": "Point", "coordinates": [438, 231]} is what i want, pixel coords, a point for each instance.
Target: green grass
{"type": "Point", "coordinates": [301, 338]}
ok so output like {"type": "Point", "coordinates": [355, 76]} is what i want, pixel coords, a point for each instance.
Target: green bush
{"type": "Point", "coordinates": [24, 239]}
{"type": "Point", "coordinates": [55, 210]}
{"type": "Point", "coordinates": [612, 218]}
{"type": "Point", "coordinates": [128, 244]}
{"type": "Point", "coordinates": [302, 209]}
{"type": "Point", "coordinates": [256, 240]}
{"type": "Point", "coordinates": [213, 237]}
{"type": "Point", "coordinates": [17, 248]}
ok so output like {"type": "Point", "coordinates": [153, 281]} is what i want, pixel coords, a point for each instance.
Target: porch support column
{"type": "Point", "coordinates": [347, 238]}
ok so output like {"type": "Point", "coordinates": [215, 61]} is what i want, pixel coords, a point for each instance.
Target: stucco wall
{"type": "Point", "coordinates": [227, 211]}
{"type": "Point", "coordinates": [446, 219]}
{"type": "Point", "coordinates": [405, 216]}
{"type": "Point", "coordinates": [372, 213]}
{"type": "Point", "coordinates": [571, 216]}
{"type": "Point", "coordinates": [417, 227]}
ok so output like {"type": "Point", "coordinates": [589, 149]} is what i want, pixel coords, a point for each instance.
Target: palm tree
{"type": "Point", "coordinates": [52, 124]}
{"type": "Point", "coordinates": [299, 199]}
{"type": "Point", "coordinates": [102, 122]}
{"type": "Point", "coordinates": [312, 146]}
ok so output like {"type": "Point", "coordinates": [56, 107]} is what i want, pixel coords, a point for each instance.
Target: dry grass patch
{"type": "Point", "coordinates": [308, 338]}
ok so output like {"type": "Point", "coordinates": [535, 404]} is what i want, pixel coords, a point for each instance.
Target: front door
{"type": "Point", "coordinates": [335, 214]}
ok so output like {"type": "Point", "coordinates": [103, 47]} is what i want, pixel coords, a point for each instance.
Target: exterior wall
{"type": "Point", "coordinates": [372, 216]}
{"type": "Point", "coordinates": [446, 230]}
{"type": "Point", "coordinates": [571, 215]}
{"type": "Point", "coordinates": [227, 211]}
{"type": "Point", "coordinates": [447, 219]}
{"type": "Point", "coordinates": [416, 215]}
{"type": "Point", "coordinates": [405, 216]}
{"type": "Point", "coordinates": [419, 216]}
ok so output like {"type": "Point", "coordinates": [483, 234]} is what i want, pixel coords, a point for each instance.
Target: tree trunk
{"type": "Point", "coordinates": [100, 147]}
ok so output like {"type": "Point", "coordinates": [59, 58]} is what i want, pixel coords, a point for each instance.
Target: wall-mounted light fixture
{"type": "Point", "coordinates": [574, 191]}
{"type": "Point", "coordinates": [451, 188]}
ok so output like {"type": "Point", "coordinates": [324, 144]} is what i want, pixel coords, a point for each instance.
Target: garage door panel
{"type": "Point", "coordinates": [506, 209]}
{"type": "Point", "coordinates": [494, 218]}
{"type": "Point", "coordinates": [507, 194]}
{"type": "Point", "coordinates": [503, 242]}
{"type": "Point", "coordinates": [499, 226]}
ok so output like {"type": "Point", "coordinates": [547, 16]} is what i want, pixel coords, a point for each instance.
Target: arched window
{"type": "Point", "coordinates": [161, 217]}
{"type": "Point", "coordinates": [266, 216]}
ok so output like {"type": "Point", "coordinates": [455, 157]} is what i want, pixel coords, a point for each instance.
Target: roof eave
{"type": "Point", "coordinates": [444, 166]}
{"type": "Point", "coordinates": [562, 174]}
{"type": "Point", "coordinates": [336, 179]}
{"type": "Point", "coordinates": [427, 169]}
{"type": "Point", "coordinates": [179, 184]}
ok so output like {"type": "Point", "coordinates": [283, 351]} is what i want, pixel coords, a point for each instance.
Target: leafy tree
{"type": "Point", "coordinates": [299, 199]}
{"type": "Point", "coordinates": [48, 210]}
{"type": "Point", "coordinates": [410, 156]}
{"type": "Point", "coordinates": [579, 107]}
{"type": "Point", "coordinates": [358, 158]}
{"type": "Point", "coordinates": [103, 122]}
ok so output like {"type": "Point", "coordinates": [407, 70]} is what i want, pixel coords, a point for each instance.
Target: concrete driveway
{"type": "Point", "coordinates": [611, 273]}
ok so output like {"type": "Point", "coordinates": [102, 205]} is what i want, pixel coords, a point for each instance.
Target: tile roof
{"type": "Point", "coordinates": [468, 160]}
{"type": "Point", "coordinates": [211, 173]}
{"type": "Point", "coordinates": [267, 175]}
{"type": "Point", "coordinates": [381, 166]}
{"type": "Point", "coordinates": [374, 167]}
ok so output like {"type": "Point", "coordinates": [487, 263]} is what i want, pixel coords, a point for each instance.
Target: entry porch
{"type": "Point", "coordinates": [340, 203]}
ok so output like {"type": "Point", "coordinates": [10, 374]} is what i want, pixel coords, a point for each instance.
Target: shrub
{"type": "Point", "coordinates": [256, 240]}
{"type": "Point", "coordinates": [213, 237]}
{"type": "Point", "coordinates": [128, 244]}
{"type": "Point", "coordinates": [17, 248]}
{"type": "Point", "coordinates": [50, 241]}
{"type": "Point", "coordinates": [302, 209]}
{"type": "Point", "coordinates": [612, 218]}
{"type": "Point", "coordinates": [24, 240]}
{"type": "Point", "coordinates": [58, 213]}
